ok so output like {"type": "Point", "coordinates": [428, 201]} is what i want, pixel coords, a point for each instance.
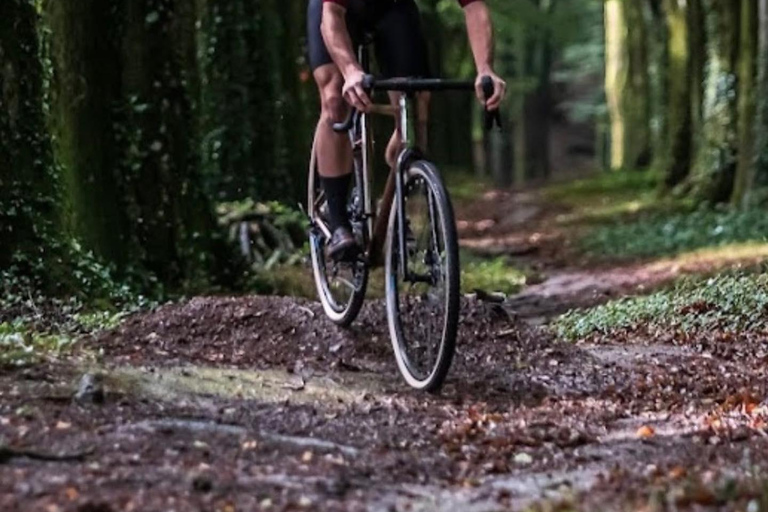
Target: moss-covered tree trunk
{"type": "Point", "coordinates": [27, 176]}
{"type": "Point", "coordinates": [658, 71]}
{"type": "Point", "coordinates": [627, 83]}
{"type": "Point", "coordinates": [247, 124]}
{"type": "Point", "coordinates": [698, 38]}
{"type": "Point", "coordinates": [746, 115]}
{"type": "Point", "coordinates": [760, 177]}
{"type": "Point", "coordinates": [170, 218]}
{"type": "Point", "coordinates": [676, 160]}
{"type": "Point", "coordinates": [716, 160]}
{"type": "Point", "coordinates": [86, 91]}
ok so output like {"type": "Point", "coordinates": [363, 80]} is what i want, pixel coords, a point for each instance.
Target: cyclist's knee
{"type": "Point", "coordinates": [334, 108]}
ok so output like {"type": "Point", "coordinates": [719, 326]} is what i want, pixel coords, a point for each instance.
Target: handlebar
{"type": "Point", "coordinates": [412, 85]}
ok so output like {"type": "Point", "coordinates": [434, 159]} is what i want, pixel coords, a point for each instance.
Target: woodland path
{"type": "Point", "coordinates": [259, 403]}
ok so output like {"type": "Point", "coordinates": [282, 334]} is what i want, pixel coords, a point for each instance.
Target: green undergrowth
{"type": "Point", "coordinates": [490, 275]}
{"type": "Point", "coordinates": [731, 302]}
{"type": "Point", "coordinates": [464, 186]}
{"type": "Point", "coordinates": [667, 234]}
{"type": "Point", "coordinates": [43, 314]}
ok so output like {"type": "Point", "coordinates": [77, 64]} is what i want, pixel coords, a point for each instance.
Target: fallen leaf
{"type": "Point", "coordinates": [677, 472]}
{"type": "Point", "coordinates": [645, 432]}
{"type": "Point", "coordinates": [72, 493]}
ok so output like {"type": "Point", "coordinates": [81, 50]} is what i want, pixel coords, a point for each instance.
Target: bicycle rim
{"type": "Point", "coordinates": [423, 310]}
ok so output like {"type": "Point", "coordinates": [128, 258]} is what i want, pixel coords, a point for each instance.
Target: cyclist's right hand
{"type": "Point", "coordinates": [354, 92]}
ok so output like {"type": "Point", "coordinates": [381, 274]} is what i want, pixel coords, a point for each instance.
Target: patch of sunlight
{"type": "Point", "coordinates": [716, 258]}
{"type": "Point", "coordinates": [603, 185]}
{"type": "Point", "coordinates": [274, 386]}
{"type": "Point", "coordinates": [606, 209]}
{"type": "Point", "coordinates": [490, 275]}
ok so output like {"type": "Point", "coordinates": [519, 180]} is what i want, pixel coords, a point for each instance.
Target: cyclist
{"type": "Point", "coordinates": [334, 27]}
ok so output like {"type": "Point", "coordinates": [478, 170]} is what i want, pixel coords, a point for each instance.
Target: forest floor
{"type": "Point", "coordinates": [259, 403]}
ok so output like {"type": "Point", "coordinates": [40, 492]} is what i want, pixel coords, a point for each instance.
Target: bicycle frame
{"type": "Point", "coordinates": [362, 141]}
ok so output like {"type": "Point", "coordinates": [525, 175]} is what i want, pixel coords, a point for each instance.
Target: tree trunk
{"type": "Point", "coordinates": [760, 178]}
{"type": "Point", "coordinates": [27, 177]}
{"type": "Point", "coordinates": [678, 150]}
{"type": "Point", "coordinates": [698, 46]}
{"type": "Point", "coordinates": [658, 70]}
{"type": "Point", "coordinates": [716, 160]}
{"type": "Point", "coordinates": [86, 88]}
{"type": "Point", "coordinates": [746, 115]}
{"type": "Point", "coordinates": [627, 84]}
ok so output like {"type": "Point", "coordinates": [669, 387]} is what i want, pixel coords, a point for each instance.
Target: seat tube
{"type": "Point", "coordinates": [407, 131]}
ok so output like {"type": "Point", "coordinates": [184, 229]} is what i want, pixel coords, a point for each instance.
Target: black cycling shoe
{"type": "Point", "coordinates": [343, 245]}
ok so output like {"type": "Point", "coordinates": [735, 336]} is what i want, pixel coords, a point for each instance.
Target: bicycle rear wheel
{"type": "Point", "coordinates": [423, 298]}
{"type": "Point", "coordinates": [341, 286]}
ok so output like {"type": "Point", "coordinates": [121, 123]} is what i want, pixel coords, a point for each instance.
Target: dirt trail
{"type": "Point", "coordinates": [256, 403]}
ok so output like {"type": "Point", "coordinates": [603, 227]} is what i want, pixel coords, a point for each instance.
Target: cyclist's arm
{"type": "Point", "coordinates": [339, 44]}
{"type": "Point", "coordinates": [480, 31]}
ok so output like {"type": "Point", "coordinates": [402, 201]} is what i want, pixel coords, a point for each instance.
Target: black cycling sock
{"type": "Point", "coordinates": [337, 193]}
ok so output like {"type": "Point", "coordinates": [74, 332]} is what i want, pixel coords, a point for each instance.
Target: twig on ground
{"type": "Point", "coordinates": [7, 454]}
{"type": "Point", "coordinates": [209, 426]}
{"type": "Point", "coordinates": [307, 311]}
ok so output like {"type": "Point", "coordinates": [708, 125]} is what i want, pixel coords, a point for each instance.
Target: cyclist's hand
{"type": "Point", "coordinates": [354, 92]}
{"type": "Point", "coordinates": [499, 90]}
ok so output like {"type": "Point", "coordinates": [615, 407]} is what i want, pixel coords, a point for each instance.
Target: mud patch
{"type": "Point", "coordinates": [266, 386]}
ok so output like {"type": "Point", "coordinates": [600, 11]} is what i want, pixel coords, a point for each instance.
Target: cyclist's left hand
{"type": "Point", "coordinates": [499, 90]}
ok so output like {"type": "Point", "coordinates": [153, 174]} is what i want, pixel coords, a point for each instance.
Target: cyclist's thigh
{"type": "Point", "coordinates": [318, 52]}
{"type": "Point", "coordinates": [401, 49]}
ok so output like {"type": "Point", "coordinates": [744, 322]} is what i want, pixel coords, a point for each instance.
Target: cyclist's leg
{"type": "Point", "coordinates": [334, 154]}
{"type": "Point", "coordinates": [401, 51]}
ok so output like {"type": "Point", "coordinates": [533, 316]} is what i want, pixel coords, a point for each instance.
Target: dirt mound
{"type": "Point", "coordinates": [285, 333]}
{"type": "Point", "coordinates": [274, 331]}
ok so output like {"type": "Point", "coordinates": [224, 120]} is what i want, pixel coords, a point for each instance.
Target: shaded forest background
{"type": "Point", "coordinates": [130, 129]}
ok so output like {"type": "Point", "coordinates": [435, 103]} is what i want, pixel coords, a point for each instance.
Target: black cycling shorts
{"type": "Point", "coordinates": [398, 39]}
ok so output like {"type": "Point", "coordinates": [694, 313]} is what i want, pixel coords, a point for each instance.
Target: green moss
{"type": "Point", "coordinates": [730, 302]}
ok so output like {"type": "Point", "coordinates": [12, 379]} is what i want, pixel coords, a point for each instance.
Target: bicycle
{"type": "Point", "coordinates": [418, 236]}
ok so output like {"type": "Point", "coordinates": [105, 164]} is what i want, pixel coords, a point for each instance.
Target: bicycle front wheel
{"type": "Point", "coordinates": [423, 294]}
